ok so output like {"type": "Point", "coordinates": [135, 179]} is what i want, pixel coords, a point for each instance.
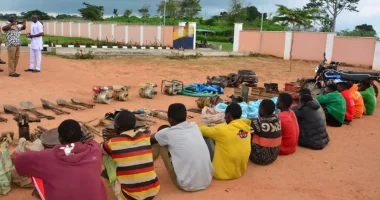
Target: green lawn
{"type": "Point", "coordinates": [226, 46]}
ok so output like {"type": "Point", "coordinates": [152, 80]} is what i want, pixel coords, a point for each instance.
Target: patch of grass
{"type": "Point", "coordinates": [226, 46]}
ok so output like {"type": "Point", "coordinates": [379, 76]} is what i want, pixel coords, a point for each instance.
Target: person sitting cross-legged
{"type": "Point", "coordinates": [289, 124]}
{"type": "Point", "coordinates": [232, 144]}
{"type": "Point", "coordinates": [131, 151]}
{"type": "Point", "coordinates": [312, 123]}
{"type": "Point", "coordinates": [68, 171]}
{"type": "Point", "coordinates": [266, 135]}
{"type": "Point", "coordinates": [368, 93]}
{"type": "Point", "coordinates": [334, 105]}
{"type": "Point", "coordinates": [358, 100]}
{"type": "Point", "coordinates": [184, 151]}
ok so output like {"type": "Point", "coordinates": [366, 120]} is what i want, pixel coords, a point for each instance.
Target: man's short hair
{"type": "Point", "coordinates": [267, 106]}
{"type": "Point", "coordinates": [235, 110]}
{"type": "Point", "coordinates": [305, 91]}
{"type": "Point", "coordinates": [343, 84]}
{"type": "Point", "coordinates": [366, 83]}
{"type": "Point", "coordinates": [125, 120]}
{"type": "Point", "coordinates": [332, 86]}
{"type": "Point", "coordinates": [177, 112]}
{"type": "Point", "coordinates": [70, 131]}
{"type": "Point", "coordinates": [286, 99]}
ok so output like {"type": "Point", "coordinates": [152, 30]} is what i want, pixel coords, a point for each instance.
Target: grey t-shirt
{"type": "Point", "coordinates": [190, 155]}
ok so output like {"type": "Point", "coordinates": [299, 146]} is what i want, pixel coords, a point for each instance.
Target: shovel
{"type": "Point", "coordinates": [79, 102]}
{"type": "Point", "coordinates": [28, 106]}
{"type": "Point", "coordinates": [65, 104]}
{"type": "Point", "coordinates": [9, 109]}
{"type": "Point", "coordinates": [49, 105]}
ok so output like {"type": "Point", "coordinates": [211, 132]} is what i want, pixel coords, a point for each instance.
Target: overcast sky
{"type": "Point", "coordinates": [369, 9]}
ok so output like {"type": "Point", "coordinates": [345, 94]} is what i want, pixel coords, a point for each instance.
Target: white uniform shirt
{"type": "Point", "coordinates": [36, 42]}
{"type": "Point", "coordinates": [190, 155]}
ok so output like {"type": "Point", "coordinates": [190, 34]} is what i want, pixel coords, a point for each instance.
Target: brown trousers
{"type": "Point", "coordinates": [13, 57]}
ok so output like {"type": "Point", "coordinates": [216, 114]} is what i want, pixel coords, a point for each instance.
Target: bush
{"type": "Point", "coordinates": [84, 56]}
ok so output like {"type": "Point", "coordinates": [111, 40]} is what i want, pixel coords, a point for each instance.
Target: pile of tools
{"type": "Point", "coordinates": [248, 77]}
{"type": "Point", "coordinates": [172, 87]}
{"type": "Point", "coordinates": [104, 94]}
{"type": "Point", "coordinates": [147, 90]}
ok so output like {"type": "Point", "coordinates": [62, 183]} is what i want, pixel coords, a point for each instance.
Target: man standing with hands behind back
{"type": "Point", "coordinates": [35, 36]}
{"type": "Point", "coordinates": [12, 31]}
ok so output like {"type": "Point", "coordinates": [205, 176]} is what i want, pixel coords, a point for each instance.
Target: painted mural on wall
{"type": "Point", "coordinates": [183, 37]}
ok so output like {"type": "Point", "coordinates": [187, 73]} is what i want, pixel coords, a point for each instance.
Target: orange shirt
{"type": "Point", "coordinates": [358, 99]}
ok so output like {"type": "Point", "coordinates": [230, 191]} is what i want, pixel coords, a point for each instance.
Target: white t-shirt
{"type": "Point", "coordinates": [36, 42]}
{"type": "Point", "coordinates": [190, 155]}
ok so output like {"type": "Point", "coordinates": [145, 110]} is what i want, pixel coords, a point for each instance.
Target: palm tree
{"type": "Point", "coordinates": [296, 18]}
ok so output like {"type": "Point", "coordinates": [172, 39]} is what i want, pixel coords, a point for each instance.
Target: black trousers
{"type": "Point", "coordinates": [330, 120]}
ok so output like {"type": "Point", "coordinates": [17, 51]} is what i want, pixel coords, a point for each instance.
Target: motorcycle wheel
{"type": "Point", "coordinates": [376, 90]}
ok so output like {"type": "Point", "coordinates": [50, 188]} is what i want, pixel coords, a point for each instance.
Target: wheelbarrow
{"type": "Point", "coordinates": [50, 106]}
{"type": "Point", "coordinates": [79, 102]}
{"type": "Point", "coordinates": [9, 109]}
{"type": "Point", "coordinates": [63, 103]}
{"type": "Point", "coordinates": [28, 106]}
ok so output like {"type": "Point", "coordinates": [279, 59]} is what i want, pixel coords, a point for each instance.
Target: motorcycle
{"type": "Point", "coordinates": [326, 74]}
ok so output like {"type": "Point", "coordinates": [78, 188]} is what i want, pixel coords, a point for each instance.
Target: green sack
{"type": "Point", "coordinates": [6, 167]}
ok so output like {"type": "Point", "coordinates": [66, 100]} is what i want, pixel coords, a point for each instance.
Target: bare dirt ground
{"type": "Point", "coordinates": [348, 168]}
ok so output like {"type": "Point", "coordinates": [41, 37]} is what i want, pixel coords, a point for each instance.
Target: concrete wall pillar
{"type": "Point", "coordinates": [288, 44]}
{"type": "Point", "coordinates": [79, 30]}
{"type": "Point", "coordinates": [194, 25]}
{"type": "Point", "coordinates": [100, 31]}
{"type": "Point", "coordinates": [55, 28]}
{"type": "Point", "coordinates": [71, 29]}
{"type": "Point", "coordinates": [238, 27]}
{"type": "Point", "coordinates": [126, 35]}
{"type": "Point", "coordinates": [329, 46]}
{"type": "Point", "coordinates": [61, 28]}
{"type": "Point", "coordinates": [89, 29]}
{"type": "Point", "coordinates": [141, 35]}
{"type": "Point", "coordinates": [376, 57]}
{"type": "Point", "coordinates": [159, 33]}
{"type": "Point", "coordinates": [113, 31]}
{"type": "Point", "coordinates": [47, 28]}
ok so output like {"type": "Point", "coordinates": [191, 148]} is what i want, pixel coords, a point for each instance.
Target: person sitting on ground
{"type": "Point", "coordinates": [289, 124]}
{"type": "Point", "coordinates": [369, 97]}
{"type": "Point", "coordinates": [358, 99]}
{"type": "Point", "coordinates": [232, 144]}
{"type": "Point", "coordinates": [350, 104]}
{"type": "Point", "coordinates": [190, 158]}
{"type": "Point", "coordinates": [334, 105]}
{"type": "Point", "coordinates": [266, 135]}
{"type": "Point", "coordinates": [68, 171]}
{"type": "Point", "coordinates": [312, 123]}
{"type": "Point", "coordinates": [131, 151]}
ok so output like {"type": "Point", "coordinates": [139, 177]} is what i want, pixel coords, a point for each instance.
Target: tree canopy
{"type": "Point", "coordinates": [144, 11]}
{"type": "Point", "coordinates": [127, 13]}
{"type": "Point", "coordinates": [91, 12]}
{"type": "Point", "coordinates": [295, 17]}
{"type": "Point", "coordinates": [332, 8]}
{"type": "Point", "coordinates": [42, 15]}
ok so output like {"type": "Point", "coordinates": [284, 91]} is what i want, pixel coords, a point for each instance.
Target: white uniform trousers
{"type": "Point", "coordinates": [35, 54]}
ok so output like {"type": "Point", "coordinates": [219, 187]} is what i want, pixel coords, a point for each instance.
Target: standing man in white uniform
{"type": "Point", "coordinates": [35, 36]}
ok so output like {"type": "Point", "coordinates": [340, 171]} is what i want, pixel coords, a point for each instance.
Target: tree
{"type": "Point", "coordinates": [91, 12]}
{"type": "Point", "coordinates": [296, 18]}
{"type": "Point", "coordinates": [115, 13]}
{"type": "Point", "coordinates": [127, 13]}
{"type": "Point", "coordinates": [253, 13]}
{"type": "Point", "coordinates": [190, 8]}
{"type": "Point", "coordinates": [29, 14]}
{"type": "Point", "coordinates": [172, 8]}
{"type": "Point", "coordinates": [66, 16]}
{"type": "Point", "coordinates": [363, 30]}
{"type": "Point", "coordinates": [333, 8]}
{"type": "Point", "coordinates": [144, 11]}
{"type": "Point", "coordinates": [237, 11]}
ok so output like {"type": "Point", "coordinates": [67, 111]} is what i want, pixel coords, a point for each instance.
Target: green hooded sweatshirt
{"type": "Point", "coordinates": [369, 100]}
{"type": "Point", "coordinates": [335, 104]}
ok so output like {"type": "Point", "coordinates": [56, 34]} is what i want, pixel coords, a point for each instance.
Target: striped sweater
{"type": "Point", "coordinates": [132, 153]}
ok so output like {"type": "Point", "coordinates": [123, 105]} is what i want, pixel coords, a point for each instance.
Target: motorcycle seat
{"type": "Point", "coordinates": [369, 73]}
{"type": "Point", "coordinates": [354, 77]}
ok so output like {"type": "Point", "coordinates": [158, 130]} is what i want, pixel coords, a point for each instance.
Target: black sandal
{"type": "Point", "coordinates": [29, 70]}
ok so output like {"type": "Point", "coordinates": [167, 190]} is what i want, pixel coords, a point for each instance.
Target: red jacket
{"type": "Point", "coordinates": [290, 132]}
{"type": "Point", "coordinates": [74, 177]}
{"type": "Point", "coordinates": [350, 105]}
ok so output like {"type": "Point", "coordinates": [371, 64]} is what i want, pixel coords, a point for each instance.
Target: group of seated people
{"type": "Point", "coordinates": [193, 154]}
